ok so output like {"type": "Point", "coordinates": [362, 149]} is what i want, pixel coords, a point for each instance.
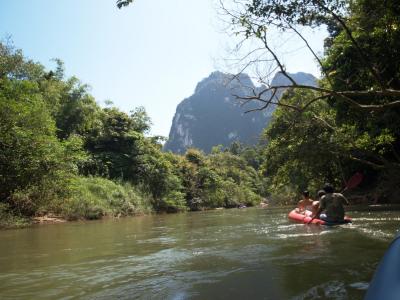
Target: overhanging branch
{"type": "Point", "coordinates": [346, 96]}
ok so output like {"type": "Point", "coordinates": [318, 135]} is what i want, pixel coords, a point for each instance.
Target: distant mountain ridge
{"type": "Point", "coordinates": [213, 115]}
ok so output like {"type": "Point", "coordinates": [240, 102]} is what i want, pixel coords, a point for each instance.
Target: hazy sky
{"type": "Point", "coordinates": [151, 54]}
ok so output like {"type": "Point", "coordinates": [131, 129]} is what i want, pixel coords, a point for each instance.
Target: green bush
{"type": "Point", "coordinates": [8, 218]}
{"type": "Point", "coordinates": [95, 197]}
{"type": "Point", "coordinates": [174, 201]}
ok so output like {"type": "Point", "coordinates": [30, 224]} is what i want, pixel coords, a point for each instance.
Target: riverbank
{"type": "Point", "coordinates": [89, 198]}
{"type": "Point", "coordinates": [9, 221]}
{"type": "Point", "coordinates": [94, 198]}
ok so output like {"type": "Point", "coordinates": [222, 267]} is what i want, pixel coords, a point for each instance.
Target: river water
{"type": "Point", "coordinates": [226, 254]}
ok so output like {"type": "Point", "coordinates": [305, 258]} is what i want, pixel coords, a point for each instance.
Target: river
{"type": "Point", "coordinates": [225, 254]}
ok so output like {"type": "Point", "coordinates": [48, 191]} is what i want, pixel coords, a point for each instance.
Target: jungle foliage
{"type": "Point", "coordinates": [63, 153]}
{"type": "Point", "coordinates": [350, 122]}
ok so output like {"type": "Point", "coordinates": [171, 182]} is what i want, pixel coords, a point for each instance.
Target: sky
{"type": "Point", "coordinates": [150, 54]}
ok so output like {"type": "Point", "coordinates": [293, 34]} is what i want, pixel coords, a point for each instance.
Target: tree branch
{"type": "Point", "coordinates": [281, 67]}
{"type": "Point", "coordinates": [365, 59]}
{"type": "Point", "coordinates": [344, 95]}
{"type": "Point", "coordinates": [312, 51]}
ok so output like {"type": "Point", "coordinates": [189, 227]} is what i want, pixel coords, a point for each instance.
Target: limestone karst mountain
{"type": "Point", "coordinates": [214, 116]}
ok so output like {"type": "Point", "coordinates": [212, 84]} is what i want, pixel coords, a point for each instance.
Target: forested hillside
{"type": "Point", "coordinates": [61, 153]}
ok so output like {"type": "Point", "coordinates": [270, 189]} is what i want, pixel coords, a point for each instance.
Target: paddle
{"type": "Point", "coordinates": [353, 181]}
{"type": "Point", "coordinates": [351, 184]}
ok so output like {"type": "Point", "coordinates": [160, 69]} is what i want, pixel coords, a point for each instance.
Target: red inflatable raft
{"type": "Point", "coordinates": [306, 218]}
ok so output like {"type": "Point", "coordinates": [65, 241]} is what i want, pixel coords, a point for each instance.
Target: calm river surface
{"type": "Point", "coordinates": [227, 254]}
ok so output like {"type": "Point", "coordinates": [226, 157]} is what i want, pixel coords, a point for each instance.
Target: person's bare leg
{"type": "Point", "coordinates": [315, 207]}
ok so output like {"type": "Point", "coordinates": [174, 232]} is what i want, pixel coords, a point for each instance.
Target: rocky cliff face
{"type": "Point", "coordinates": [213, 116]}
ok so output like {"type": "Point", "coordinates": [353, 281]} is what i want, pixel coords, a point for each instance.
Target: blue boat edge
{"type": "Point", "coordinates": [385, 283]}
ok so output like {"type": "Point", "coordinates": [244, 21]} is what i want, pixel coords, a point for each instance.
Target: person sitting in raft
{"type": "Point", "coordinates": [320, 193]}
{"type": "Point", "coordinates": [315, 204]}
{"type": "Point", "coordinates": [305, 204]}
{"type": "Point", "coordinates": [331, 205]}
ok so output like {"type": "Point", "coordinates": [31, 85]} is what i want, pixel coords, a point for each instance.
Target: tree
{"type": "Point", "coordinates": [360, 69]}
{"type": "Point", "coordinates": [77, 111]}
{"type": "Point", "coordinates": [141, 120]}
{"type": "Point", "coordinates": [346, 21]}
{"type": "Point", "coordinates": [13, 65]}
{"type": "Point", "coordinates": [303, 149]}
{"type": "Point", "coordinates": [34, 165]}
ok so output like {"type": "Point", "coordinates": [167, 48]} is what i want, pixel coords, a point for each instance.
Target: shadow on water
{"type": "Point", "coordinates": [236, 254]}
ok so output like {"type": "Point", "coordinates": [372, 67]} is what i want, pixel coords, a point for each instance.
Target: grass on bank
{"type": "Point", "coordinates": [83, 198]}
{"type": "Point", "coordinates": [8, 219]}
{"type": "Point", "coordinates": [95, 197]}
{"type": "Point", "coordinates": [92, 198]}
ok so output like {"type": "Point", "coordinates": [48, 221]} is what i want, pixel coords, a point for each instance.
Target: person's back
{"type": "Point", "coordinates": [305, 203]}
{"type": "Point", "coordinates": [332, 205]}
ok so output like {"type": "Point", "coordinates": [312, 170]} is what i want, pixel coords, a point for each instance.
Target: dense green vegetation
{"type": "Point", "coordinates": [350, 122]}
{"type": "Point", "coordinates": [64, 154]}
